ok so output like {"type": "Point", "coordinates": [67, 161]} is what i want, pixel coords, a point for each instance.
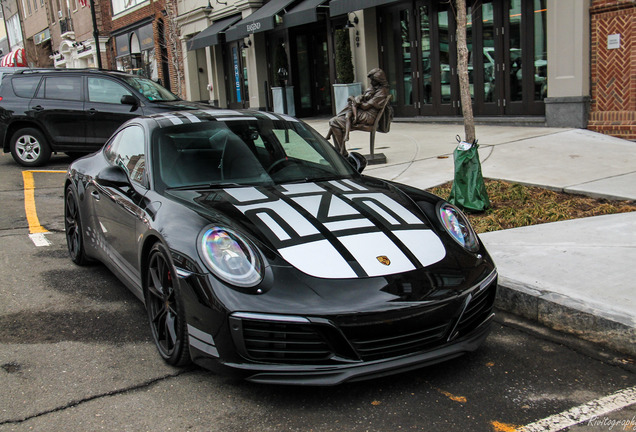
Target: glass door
{"type": "Point", "coordinates": [507, 57]}
{"type": "Point", "coordinates": [448, 84]}
{"type": "Point", "coordinates": [418, 54]}
{"type": "Point", "coordinates": [524, 57]}
{"type": "Point", "coordinates": [400, 59]}
{"type": "Point", "coordinates": [311, 71]}
{"type": "Point", "coordinates": [488, 66]}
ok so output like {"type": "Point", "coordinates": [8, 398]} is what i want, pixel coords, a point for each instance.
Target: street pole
{"type": "Point", "coordinates": [96, 34]}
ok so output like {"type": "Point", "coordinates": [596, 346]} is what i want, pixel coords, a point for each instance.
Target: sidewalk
{"type": "Point", "coordinates": [575, 276]}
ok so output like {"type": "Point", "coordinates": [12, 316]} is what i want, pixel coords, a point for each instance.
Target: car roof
{"type": "Point", "coordinates": [175, 118]}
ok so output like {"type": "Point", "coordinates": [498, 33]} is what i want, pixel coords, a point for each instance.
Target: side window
{"type": "Point", "coordinates": [25, 86]}
{"type": "Point", "coordinates": [105, 91]}
{"type": "Point", "coordinates": [126, 149]}
{"type": "Point", "coordinates": [64, 88]}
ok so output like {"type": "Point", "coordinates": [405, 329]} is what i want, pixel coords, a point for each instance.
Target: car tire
{"type": "Point", "coordinates": [73, 228]}
{"type": "Point", "coordinates": [30, 148]}
{"type": "Point", "coordinates": [166, 312]}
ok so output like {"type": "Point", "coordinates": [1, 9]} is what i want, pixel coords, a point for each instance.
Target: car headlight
{"type": "Point", "coordinates": [458, 227]}
{"type": "Point", "coordinates": [231, 258]}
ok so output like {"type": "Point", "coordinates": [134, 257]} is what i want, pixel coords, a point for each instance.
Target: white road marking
{"type": "Point", "coordinates": [39, 239]}
{"type": "Point", "coordinates": [588, 412]}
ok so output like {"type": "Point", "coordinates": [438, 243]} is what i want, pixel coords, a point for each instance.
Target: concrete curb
{"type": "Point", "coordinates": [564, 314]}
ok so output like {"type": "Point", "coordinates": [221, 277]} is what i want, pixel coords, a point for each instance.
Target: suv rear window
{"type": "Point", "coordinates": [25, 86]}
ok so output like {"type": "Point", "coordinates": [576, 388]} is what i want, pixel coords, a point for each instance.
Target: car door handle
{"type": "Point", "coordinates": [38, 108]}
{"type": "Point", "coordinates": [92, 111]}
{"type": "Point", "coordinates": [95, 195]}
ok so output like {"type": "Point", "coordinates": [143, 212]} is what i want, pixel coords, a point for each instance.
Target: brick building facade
{"type": "Point", "coordinates": [152, 23]}
{"type": "Point", "coordinates": [613, 68]}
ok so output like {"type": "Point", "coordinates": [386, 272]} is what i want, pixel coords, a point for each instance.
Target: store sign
{"type": "Point", "coordinates": [43, 36]}
{"type": "Point", "coordinates": [237, 78]}
{"type": "Point", "coordinates": [251, 28]}
{"type": "Point", "coordinates": [613, 41]}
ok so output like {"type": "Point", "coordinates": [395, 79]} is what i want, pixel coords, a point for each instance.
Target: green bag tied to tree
{"type": "Point", "coordinates": [469, 190]}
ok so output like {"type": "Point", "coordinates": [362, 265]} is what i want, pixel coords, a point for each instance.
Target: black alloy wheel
{"type": "Point", "coordinates": [165, 308]}
{"type": "Point", "coordinates": [73, 228]}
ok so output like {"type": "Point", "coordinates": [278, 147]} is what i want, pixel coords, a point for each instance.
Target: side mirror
{"type": "Point", "coordinates": [129, 100]}
{"type": "Point", "coordinates": [113, 176]}
{"type": "Point", "coordinates": [358, 161]}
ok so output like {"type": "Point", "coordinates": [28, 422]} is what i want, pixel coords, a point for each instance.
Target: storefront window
{"type": "Point", "coordinates": [391, 65]}
{"type": "Point", "coordinates": [425, 29]}
{"type": "Point", "coordinates": [304, 78]}
{"type": "Point", "coordinates": [406, 57]}
{"type": "Point", "coordinates": [515, 70]}
{"type": "Point", "coordinates": [444, 61]}
{"type": "Point", "coordinates": [469, 43]}
{"type": "Point", "coordinates": [488, 42]}
{"type": "Point", "coordinates": [540, 50]}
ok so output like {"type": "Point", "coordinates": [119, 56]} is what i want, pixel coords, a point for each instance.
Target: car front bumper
{"type": "Point", "coordinates": [329, 350]}
{"type": "Point", "coordinates": [333, 375]}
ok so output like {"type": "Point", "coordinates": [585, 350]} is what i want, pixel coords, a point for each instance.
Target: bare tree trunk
{"type": "Point", "coordinates": [462, 72]}
{"type": "Point", "coordinates": [173, 42]}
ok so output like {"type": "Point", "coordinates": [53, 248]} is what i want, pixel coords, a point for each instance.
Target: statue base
{"type": "Point", "coordinates": [375, 158]}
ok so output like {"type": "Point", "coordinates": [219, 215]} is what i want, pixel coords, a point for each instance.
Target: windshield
{"type": "Point", "coordinates": [150, 89]}
{"type": "Point", "coordinates": [248, 151]}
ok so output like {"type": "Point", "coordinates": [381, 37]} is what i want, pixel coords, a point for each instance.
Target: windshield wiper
{"type": "Point", "coordinates": [313, 179]}
{"type": "Point", "coordinates": [204, 186]}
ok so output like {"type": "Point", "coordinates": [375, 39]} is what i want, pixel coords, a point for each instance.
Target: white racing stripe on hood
{"type": "Point", "coordinates": [319, 259]}
{"type": "Point", "coordinates": [296, 221]}
{"type": "Point", "coordinates": [351, 245]}
{"type": "Point", "coordinates": [246, 194]}
{"type": "Point", "coordinates": [302, 188]}
{"type": "Point", "coordinates": [424, 244]}
{"type": "Point", "coordinates": [192, 118]}
{"type": "Point", "coordinates": [365, 248]}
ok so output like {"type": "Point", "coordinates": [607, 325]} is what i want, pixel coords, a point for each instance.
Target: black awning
{"type": "Point", "coordinates": [339, 7]}
{"type": "Point", "coordinates": [212, 35]}
{"type": "Point", "coordinates": [304, 13]}
{"type": "Point", "coordinates": [261, 20]}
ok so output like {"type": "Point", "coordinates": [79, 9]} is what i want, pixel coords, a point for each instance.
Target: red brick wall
{"type": "Point", "coordinates": [156, 10]}
{"type": "Point", "coordinates": [613, 107]}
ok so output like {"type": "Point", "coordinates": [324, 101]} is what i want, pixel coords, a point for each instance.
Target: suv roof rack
{"type": "Point", "coordinates": [45, 70]}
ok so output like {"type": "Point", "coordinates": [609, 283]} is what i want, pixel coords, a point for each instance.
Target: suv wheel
{"type": "Point", "coordinates": [29, 147]}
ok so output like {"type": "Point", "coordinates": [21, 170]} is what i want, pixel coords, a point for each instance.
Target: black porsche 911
{"type": "Point", "coordinates": [258, 249]}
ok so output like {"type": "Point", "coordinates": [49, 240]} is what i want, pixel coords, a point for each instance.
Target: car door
{"type": "Point", "coordinates": [59, 107]}
{"type": "Point", "coordinates": [104, 110]}
{"type": "Point", "coordinates": [117, 209]}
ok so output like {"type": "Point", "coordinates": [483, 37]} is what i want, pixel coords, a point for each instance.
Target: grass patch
{"type": "Point", "coordinates": [514, 205]}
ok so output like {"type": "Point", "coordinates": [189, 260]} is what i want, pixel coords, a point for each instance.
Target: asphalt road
{"type": "Point", "coordinates": [76, 355]}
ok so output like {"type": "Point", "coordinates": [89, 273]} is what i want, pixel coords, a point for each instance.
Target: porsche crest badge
{"type": "Point", "coordinates": [384, 260]}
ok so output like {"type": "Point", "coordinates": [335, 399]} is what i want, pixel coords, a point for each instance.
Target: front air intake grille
{"type": "Point", "coordinates": [478, 309]}
{"type": "Point", "coordinates": [391, 334]}
{"type": "Point", "coordinates": [278, 342]}
{"type": "Point", "coordinates": [391, 345]}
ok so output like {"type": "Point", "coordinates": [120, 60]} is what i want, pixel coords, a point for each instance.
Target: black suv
{"type": "Point", "coordinates": [73, 110]}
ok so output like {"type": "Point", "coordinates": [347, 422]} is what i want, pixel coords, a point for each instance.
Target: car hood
{"type": "Point", "coordinates": [337, 229]}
